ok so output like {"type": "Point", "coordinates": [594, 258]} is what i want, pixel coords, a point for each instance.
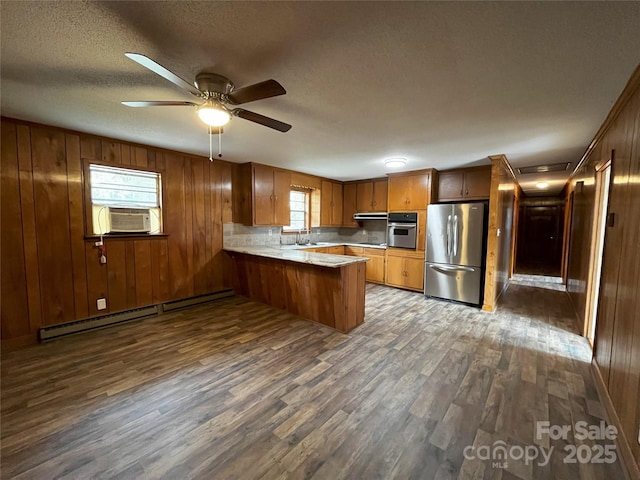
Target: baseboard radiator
{"type": "Point", "coordinates": [55, 331]}
{"type": "Point", "coordinates": [188, 302]}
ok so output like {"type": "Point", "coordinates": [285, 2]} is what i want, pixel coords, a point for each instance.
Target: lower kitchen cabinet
{"type": "Point", "coordinates": [405, 269]}
{"type": "Point", "coordinates": [337, 250]}
{"type": "Point", "coordinates": [375, 266]}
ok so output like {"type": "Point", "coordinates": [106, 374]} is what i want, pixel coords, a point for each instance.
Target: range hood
{"type": "Point", "coordinates": [370, 216]}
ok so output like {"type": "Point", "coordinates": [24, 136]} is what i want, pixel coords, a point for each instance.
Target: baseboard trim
{"type": "Point", "coordinates": [188, 302]}
{"type": "Point", "coordinates": [628, 461]}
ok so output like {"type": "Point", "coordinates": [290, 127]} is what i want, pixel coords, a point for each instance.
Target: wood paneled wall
{"type": "Point", "coordinates": [500, 238]}
{"type": "Point", "coordinates": [617, 342]}
{"type": "Point", "coordinates": [51, 271]}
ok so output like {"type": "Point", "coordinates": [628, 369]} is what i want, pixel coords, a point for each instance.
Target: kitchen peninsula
{"type": "Point", "coordinates": [324, 288]}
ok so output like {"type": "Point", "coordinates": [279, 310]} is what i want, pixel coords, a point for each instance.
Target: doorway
{"type": "Point", "coordinates": [603, 182]}
{"type": "Point", "coordinates": [540, 229]}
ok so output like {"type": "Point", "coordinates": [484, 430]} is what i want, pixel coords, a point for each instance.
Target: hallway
{"type": "Point", "coordinates": [236, 389]}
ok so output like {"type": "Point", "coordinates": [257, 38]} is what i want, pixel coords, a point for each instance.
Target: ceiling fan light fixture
{"type": "Point", "coordinates": [213, 114]}
{"type": "Point", "coordinates": [542, 185]}
{"type": "Point", "coordinates": [395, 162]}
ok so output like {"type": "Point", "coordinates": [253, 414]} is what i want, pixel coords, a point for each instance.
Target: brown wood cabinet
{"type": "Point", "coordinates": [349, 191]}
{"type": "Point", "coordinates": [405, 269]}
{"type": "Point", "coordinates": [375, 265]}
{"type": "Point", "coordinates": [464, 184]}
{"type": "Point", "coordinates": [409, 191]}
{"type": "Point", "coordinates": [372, 196]}
{"type": "Point", "coordinates": [331, 204]}
{"type": "Point", "coordinates": [261, 195]}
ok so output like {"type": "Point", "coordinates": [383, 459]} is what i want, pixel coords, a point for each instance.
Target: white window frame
{"type": "Point", "coordinates": [307, 211]}
{"type": "Point", "coordinates": [100, 207]}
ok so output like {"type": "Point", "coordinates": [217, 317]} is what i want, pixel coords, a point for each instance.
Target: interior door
{"type": "Point", "coordinates": [540, 240]}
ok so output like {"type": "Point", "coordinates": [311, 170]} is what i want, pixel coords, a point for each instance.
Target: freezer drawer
{"type": "Point", "coordinates": [453, 282]}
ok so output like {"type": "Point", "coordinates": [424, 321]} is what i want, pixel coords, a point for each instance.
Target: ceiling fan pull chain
{"type": "Point", "coordinates": [210, 145]}
{"type": "Point", "coordinates": [220, 142]}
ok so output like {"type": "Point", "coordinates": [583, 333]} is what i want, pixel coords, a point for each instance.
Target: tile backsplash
{"type": "Point", "coordinates": [238, 235]}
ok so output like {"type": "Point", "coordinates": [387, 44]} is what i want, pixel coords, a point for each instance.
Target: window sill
{"type": "Point", "coordinates": [122, 236]}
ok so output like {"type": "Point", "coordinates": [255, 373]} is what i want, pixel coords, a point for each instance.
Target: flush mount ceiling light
{"type": "Point", "coordinates": [395, 162]}
{"type": "Point", "coordinates": [213, 114]}
{"type": "Point", "coordinates": [542, 185]}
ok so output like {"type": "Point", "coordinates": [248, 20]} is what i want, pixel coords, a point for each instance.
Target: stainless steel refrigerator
{"type": "Point", "coordinates": [455, 251]}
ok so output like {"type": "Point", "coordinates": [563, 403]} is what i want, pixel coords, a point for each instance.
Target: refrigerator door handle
{"type": "Point", "coordinates": [452, 269]}
{"type": "Point", "coordinates": [449, 235]}
{"type": "Point", "coordinates": [455, 235]}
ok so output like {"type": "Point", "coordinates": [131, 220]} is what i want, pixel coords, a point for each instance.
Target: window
{"type": "Point", "coordinates": [299, 204]}
{"type": "Point", "coordinates": [123, 188]}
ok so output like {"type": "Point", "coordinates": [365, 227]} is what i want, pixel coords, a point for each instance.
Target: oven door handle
{"type": "Point", "coordinates": [403, 225]}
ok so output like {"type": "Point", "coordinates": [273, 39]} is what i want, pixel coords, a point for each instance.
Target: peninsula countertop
{"type": "Point", "coordinates": [299, 255]}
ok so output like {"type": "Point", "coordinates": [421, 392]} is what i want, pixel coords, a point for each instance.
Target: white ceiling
{"type": "Point", "coordinates": [442, 84]}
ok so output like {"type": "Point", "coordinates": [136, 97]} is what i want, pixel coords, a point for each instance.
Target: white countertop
{"type": "Point", "coordinates": [300, 256]}
{"type": "Point", "coordinates": [334, 244]}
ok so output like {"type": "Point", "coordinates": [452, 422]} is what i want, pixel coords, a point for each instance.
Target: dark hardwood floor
{"type": "Point", "coordinates": [235, 389]}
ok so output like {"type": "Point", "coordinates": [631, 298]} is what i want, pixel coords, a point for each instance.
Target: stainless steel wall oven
{"type": "Point", "coordinates": [402, 230]}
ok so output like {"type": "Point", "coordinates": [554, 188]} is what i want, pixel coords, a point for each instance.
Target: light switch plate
{"type": "Point", "coordinates": [102, 303]}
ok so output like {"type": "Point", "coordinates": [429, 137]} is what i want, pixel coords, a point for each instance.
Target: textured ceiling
{"type": "Point", "coordinates": [442, 84]}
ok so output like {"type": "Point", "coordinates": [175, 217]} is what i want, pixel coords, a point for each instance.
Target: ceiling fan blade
{"type": "Point", "coordinates": [261, 119]}
{"type": "Point", "coordinates": [163, 72]}
{"type": "Point", "coordinates": [160, 104]}
{"type": "Point", "coordinates": [258, 91]}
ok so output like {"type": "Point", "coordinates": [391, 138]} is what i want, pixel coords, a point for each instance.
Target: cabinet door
{"type": "Point", "coordinates": [336, 209]}
{"type": "Point", "coordinates": [379, 196]}
{"type": "Point", "coordinates": [398, 193]}
{"type": "Point", "coordinates": [450, 186]}
{"type": "Point", "coordinates": [414, 274]}
{"type": "Point", "coordinates": [337, 250]}
{"type": "Point", "coordinates": [395, 271]}
{"type": "Point", "coordinates": [326, 202]}
{"type": "Point", "coordinates": [262, 195]}
{"type": "Point", "coordinates": [477, 183]}
{"type": "Point", "coordinates": [408, 192]}
{"type": "Point", "coordinates": [349, 205]}
{"type": "Point", "coordinates": [418, 192]}
{"type": "Point", "coordinates": [365, 197]}
{"type": "Point", "coordinates": [282, 205]}
{"type": "Point", "coordinates": [354, 251]}
{"type": "Point", "coordinates": [375, 269]}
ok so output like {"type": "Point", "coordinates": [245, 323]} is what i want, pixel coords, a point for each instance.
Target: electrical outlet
{"type": "Point", "coordinates": [102, 303]}
{"type": "Point", "coordinates": [270, 232]}
{"type": "Point", "coordinates": [98, 244]}
{"type": "Point", "coordinates": [364, 233]}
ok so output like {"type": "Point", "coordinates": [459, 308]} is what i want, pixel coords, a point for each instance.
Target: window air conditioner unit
{"type": "Point", "coordinates": [129, 220]}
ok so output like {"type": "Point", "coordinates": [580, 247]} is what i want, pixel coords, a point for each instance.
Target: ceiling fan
{"type": "Point", "coordinates": [216, 92]}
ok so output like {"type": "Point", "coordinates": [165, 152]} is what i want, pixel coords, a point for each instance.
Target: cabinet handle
{"type": "Point", "coordinates": [270, 197]}
{"type": "Point", "coordinates": [461, 192]}
{"type": "Point", "coordinates": [276, 198]}
{"type": "Point", "coordinates": [466, 192]}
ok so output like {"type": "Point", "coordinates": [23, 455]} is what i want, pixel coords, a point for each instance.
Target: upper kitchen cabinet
{"type": "Point", "coordinates": [409, 191]}
{"type": "Point", "coordinates": [261, 195]}
{"type": "Point", "coordinates": [464, 184]}
{"type": "Point", "coordinates": [372, 196]}
{"type": "Point", "coordinates": [331, 204]}
{"type": "Point", "coordinates": [349, 206]}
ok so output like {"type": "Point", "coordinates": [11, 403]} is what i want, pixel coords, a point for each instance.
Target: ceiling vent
{"type": "Point", "coordinates": [553, 167]}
